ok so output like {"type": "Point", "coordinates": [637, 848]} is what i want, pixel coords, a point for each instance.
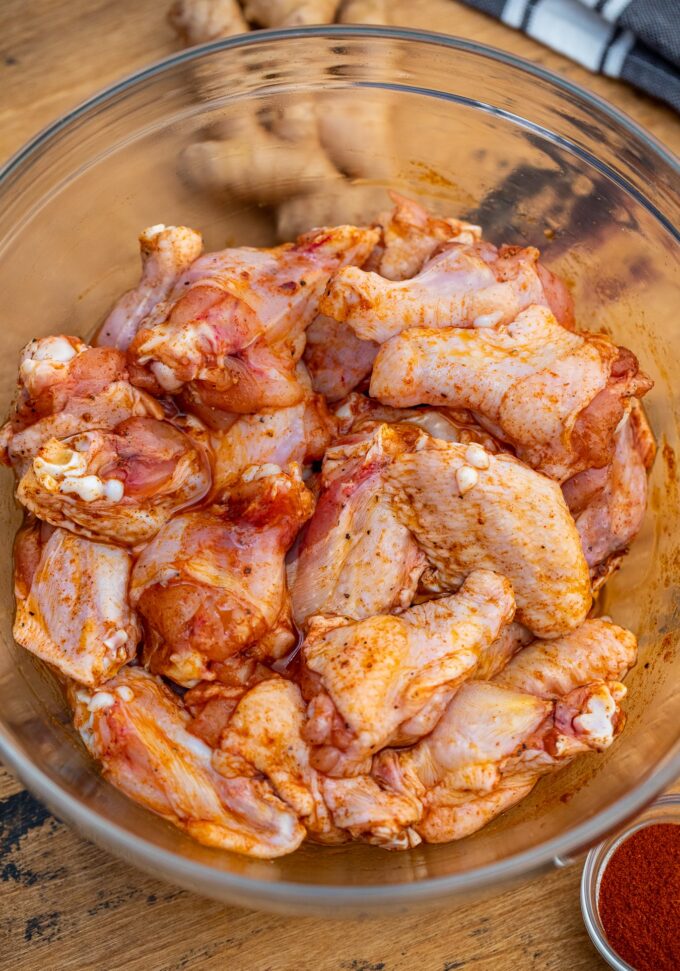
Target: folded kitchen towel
{"type": "Point", "coordinates": [636, 40]}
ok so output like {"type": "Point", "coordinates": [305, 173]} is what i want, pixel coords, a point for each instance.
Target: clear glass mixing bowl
{"type": "Point", "coordinates": [472, 132]}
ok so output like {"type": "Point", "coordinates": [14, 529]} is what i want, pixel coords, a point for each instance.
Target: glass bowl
{"type": "Point", "coordinates": [472, 132]}
{"type": "Point", "coordinates": [664, 810]}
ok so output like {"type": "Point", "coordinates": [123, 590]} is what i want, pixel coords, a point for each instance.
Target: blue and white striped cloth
{"type": "Point", "coordinates": [635, 40]}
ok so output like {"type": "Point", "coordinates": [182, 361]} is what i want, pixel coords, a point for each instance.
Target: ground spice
{"type": "Point", "coordinates": [639, 899]}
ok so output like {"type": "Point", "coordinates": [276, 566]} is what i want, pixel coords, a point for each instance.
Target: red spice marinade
{"type": "Point", "coordinates": [639, 899]}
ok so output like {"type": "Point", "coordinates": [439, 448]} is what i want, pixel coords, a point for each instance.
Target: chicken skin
{"type": "Point", "coordinates": [275, 436]}
{"type": "Point", "coordinates": [358, 413]}
{"type": "Point", "coordinates": [465, 284]}
{"type": "Point", "coordinates": [212, 582]}
{"type": "Point", "coordinates": [137, 730]}
{"type": "Point", "coordinates": [267, 731]}
{"type": "Point", "coordinates": [464, 508]}
{"type": "Point", "coordinates": [72, 603]}
{"type": "Point", "coordinates": [387, 679]}
{"type": "Point", "coordinates": [121, 485]}
{"type": "Point", "coordinates": [411, 235]}
{"type": "Point", "coordinates": [491, 747]}
{"type": "Point", "coordinates": [337, 360]}
{"type": "Point", "coordinates": [167, 252]}
{"type": "Point", "coordinates": [355, 559]}
{"type": "Point", "coordinates": [497, 738]}
{"type": "Point", "coordinates": [66, 387]}
{"type": "Point", "coordinates": [233, 328]}
{"type": "Point", "coordinates": [555, 396]}
{"type": "Point", "coordinates": [608, 504]}
{"type": "Point", "coordinates": [598, 650]}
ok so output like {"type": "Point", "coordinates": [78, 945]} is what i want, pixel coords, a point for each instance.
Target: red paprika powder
{"type": "Point", "coordinates": [639, 899]}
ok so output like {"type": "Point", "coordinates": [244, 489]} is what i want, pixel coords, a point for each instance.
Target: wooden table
{"type": "Point", "coordinates": [65, 903]}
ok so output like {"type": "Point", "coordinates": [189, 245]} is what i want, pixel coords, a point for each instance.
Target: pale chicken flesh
{"type": "Point", "coordinates": [349, 498]}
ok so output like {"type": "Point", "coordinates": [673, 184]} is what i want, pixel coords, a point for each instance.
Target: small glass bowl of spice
{"type": "Point", "coordinates": [630, 892]}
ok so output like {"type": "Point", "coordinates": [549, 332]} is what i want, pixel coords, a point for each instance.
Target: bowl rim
{"type": "Point", "coordinates": [257, 891]}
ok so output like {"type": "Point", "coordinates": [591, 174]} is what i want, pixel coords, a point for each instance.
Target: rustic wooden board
{"type": "Point", "coordinates": [65, 904]}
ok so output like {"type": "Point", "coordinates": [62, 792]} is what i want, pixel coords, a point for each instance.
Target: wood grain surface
{"type": "Point", "coordinates": [65, 904]}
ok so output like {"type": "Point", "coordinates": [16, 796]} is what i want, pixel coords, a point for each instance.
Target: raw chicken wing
{"type": "Point", "coordinates": [278, 436]}
{"type": "Point", "coordinates": [120, 485]}
{"type": "Point", "coordinates": [490, 748]}
{"type": "Point", "coordinates": [212, 703]}
{"type": "Point", "coordinates": [554, 395]}
{"type": "Point", "coordinates": [336, 358]}
{"type": "Point", "coordinates": [167, 252]}
{"type": "Point", "coordinates": [137, 729]}
{"type": "Point", "coordinates": [387, 679]}
{"type": "Point", "coordinates": [358, 413]}
{"type": "Point", "coordinates": [72, 603]}
{"type": "Point", "coordinates": [608, 504]}
{"type": "Point", "coordinates": [267, 731]}
{"type": "Point", "coordinates": [598, 650]}
{"type": "Point", "coordinates": [410, 236]}
{"type": "Point", "coordinates": [66, 387]}
{"type": "Point", "coordinates": [467, 509]}
{"type": "Point", "coordinates": [233, 328]}
{"type": "Point", "coordinates": [355, 559]}
{"type": "Point", "coordinates": [464, 285]}
{"type": "Point", "coordinates": [213, 582]}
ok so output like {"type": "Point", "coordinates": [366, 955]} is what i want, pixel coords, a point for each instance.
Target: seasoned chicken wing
{"type": "Point", "coordinates": [213, 582]}
{"type": "Point", "coordinates": [465, 284]}
{"type": "Point", "coordinates": [72, 604]}
{"type": "Point", "coordinates": [387, 679]}
{"type": "Point", "coordinates": [411, 235]}
{"type": "Point", "coordinates": [355, 558]}
{"type": "Point", "coordinates": [300, 433]}
{"type": "Point", "coordinates": [490, 748]}
{"type": "Point", "coordinates": [137, 730]}
{"type": "Point", "coordinates": [598, 650]}
{"type": "Point", "coordinates": [267, 731]}
{"type": "Point", "coordinates": [66, 387]}
{"type": "Point", "coordinates": [464, 508]}
{"type": "Point", "coordinates": [167, 252]}
{"type": "Point", "coordinates": [552, 702]}
{"type": "Point", "coordinates": [233, 328]}
{"type": "Point", "coordinates": [609, 503]}
{"type": "Point", "coordinates": [120, 485]}
{"type": "Point", "coordinates": [212, 703]}
{"type": "Point", "coordinates": [277, 620]}
{"type": "Point", "coordinates": [336, 358]}
{"type": "Point", "coordinates": [554, 395]}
